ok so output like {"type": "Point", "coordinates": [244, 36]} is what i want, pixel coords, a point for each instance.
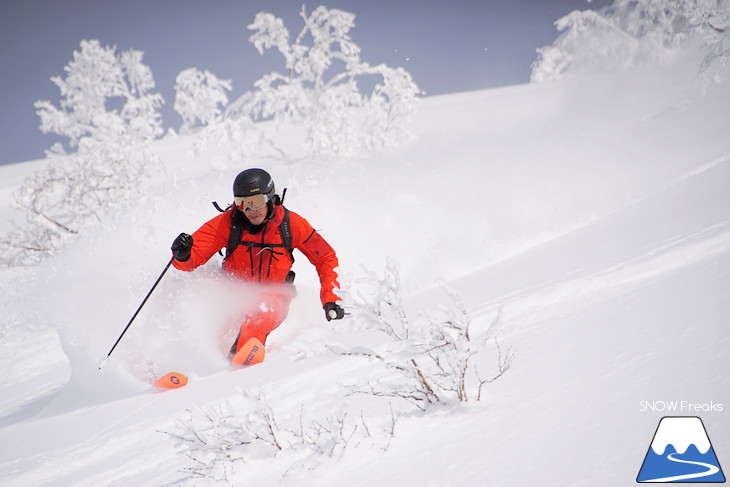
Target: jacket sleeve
{"type": "Point", "coordinates": [315, 248]}
{"type": "Point", "coordinates": [207, 240]}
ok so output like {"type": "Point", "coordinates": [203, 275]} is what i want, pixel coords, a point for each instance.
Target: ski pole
{"type": "Point", "coordinates": [137, 312]}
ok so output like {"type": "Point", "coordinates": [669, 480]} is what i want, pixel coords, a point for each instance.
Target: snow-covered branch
{"type": "Point", "coordinates": [432, 361]}
{"type": "Point", "coordinates": [320, 90]}
{"type": "Point", "coordinates": [632, 33]}
{"type": "Point", "coordinates": [200, 97]}
{"type": "Point", "coordinates": [220, 439]}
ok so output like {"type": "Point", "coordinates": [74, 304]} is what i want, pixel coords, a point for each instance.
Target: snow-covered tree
{"type": "Point", "coordinates": [319, 88]}
{"type": "Point", "coordinates": [631, 33]}
{"type": "Point", "coordinates": [96, 77]}
{"type": "Point", "coordinates": [109, 115]}
{"type": "Point", "coordinates": [200, 97]}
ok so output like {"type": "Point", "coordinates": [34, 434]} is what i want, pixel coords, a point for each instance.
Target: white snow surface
{"type": "Point", "coordinates": [594, 212]}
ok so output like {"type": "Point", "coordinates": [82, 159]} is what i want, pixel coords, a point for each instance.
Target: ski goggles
{"type": "Point", "coordinates": [253, 202]}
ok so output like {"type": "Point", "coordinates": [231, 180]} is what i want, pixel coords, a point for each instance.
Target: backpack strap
{"type": "Point", "coordinates": [285, 232]}
{"type": "Point", "coordinates": [234, 240]}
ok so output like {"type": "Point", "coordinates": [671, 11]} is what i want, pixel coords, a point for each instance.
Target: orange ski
{"type": "Point", "coordinates": [252, 352]}
{"type": "Point", "coordinates": [173, 380]}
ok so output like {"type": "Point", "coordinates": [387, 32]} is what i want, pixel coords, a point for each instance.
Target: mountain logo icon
{"type": "Point", "coordinates": [680, 452]}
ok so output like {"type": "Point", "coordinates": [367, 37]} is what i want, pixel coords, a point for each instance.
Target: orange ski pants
{"type": "Point", "coordinates": [271, 312]}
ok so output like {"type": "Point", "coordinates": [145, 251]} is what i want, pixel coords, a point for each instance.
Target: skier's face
{"type": "Point", "coordinates": [256, 217]}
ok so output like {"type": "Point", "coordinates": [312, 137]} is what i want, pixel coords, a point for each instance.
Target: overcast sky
{"type": "Point", "coordinates": [447, 45]}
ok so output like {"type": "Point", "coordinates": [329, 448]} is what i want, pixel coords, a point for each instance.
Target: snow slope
{"type": "Point", "coordinates": [595, 213]}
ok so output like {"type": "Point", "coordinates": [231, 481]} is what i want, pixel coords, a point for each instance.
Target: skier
{"type": "Point", "coordinates": [259, 234]}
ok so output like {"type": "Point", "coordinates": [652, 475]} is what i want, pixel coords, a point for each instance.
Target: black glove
{"type": "Point", "coordinates": [333, 311]}
{"type": "Point", "coordinates": [181, 247]}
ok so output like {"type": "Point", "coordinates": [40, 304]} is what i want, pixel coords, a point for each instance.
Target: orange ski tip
{"type": "Point", "coordinates": [173, 380]}
{"type": "Point", "coordinates": [251, 353]}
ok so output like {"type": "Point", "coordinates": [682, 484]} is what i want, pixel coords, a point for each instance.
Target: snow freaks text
{"type": "Point", "coordinates": [680, 407]}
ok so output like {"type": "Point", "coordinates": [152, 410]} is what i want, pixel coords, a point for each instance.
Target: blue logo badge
{"type": "Point", "coordinates": [681, 452]}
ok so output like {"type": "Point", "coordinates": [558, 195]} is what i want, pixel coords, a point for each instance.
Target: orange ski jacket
{"type": "Point", "coordinates": [262, 263]}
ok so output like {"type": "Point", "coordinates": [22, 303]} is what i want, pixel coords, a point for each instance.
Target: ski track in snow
{"type": "Point", "coordinates": [711, 470]}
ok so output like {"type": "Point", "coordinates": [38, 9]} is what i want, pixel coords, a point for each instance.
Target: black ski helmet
{"type": "Point", "coordinates": [253, 181]}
